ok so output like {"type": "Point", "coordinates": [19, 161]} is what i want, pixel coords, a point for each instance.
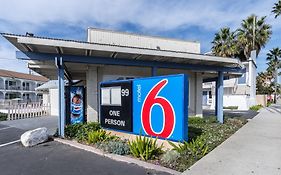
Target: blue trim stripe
{"type": "Point", "coordinates": [124, 62]}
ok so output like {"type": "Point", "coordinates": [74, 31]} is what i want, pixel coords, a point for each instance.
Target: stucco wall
{"type": "Point", "coordinates": [95, 75]}
{"type": "Point", "coordinates": [54, 102]}
{"type": "Point", "coordinates": [46, 98]}
{"type": "Point", "coordinates": [261, 100]}
{"type": "Point", "coordinates": [242, 101]}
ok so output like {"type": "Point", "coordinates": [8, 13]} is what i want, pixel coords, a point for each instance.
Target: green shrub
{"type": "Point", "coordinates": [119, 147]}
{"type": "Point", "coordinates": [236, 121]}
{"type": "Point", "coordinates": [201, 120]}
{"type": "Point", "coordinates": [145, 148]}
{"type": "Point", "coordinates": [181, 147]}
{"type": "Point", "coordinates": [170, 157]}
{"type": "Point", "coordinates": [193, 120]}
{"type": "Point", "coordinates": [99, 136]}
{"type": "Point", "coordinates": [230, 107]}
{"type": "Point", "coordinates": [256, 107]}
{"type": "Point", "coordinates": [174, 160]}
{"type": "Point", "coordinates": [3, 117]}
{"type": "Point", "coordinates": [197, 147]}
{"type": "Point", "coordinates": [268, 104]}
{"type": "Point", "coordinates": [211, 119]}
{"type": "Point", "coordinates": [80, 131]}
{"type": "Point", "coordinates": [71, 130]}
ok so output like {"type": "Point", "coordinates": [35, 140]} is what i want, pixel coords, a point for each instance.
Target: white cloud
{"type": "Point", "coordinates": [19, 16]}
{"type": "Point", "coordinates": [156, 15]}
{"type": "Point", "coordinates": [8, 60]}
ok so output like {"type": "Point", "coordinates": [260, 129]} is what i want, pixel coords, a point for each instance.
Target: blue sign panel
{"type": "Point", "coordinates": [160, 107]}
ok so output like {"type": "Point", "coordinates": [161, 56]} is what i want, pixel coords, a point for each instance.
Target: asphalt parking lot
{"type": "Point", "coordinates": [9, 134]}
{"type": "Point", "coordinates": [56, 159]}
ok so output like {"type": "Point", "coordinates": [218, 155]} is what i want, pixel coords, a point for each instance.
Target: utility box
{"type": "Point", "coordinates": [152, 106]}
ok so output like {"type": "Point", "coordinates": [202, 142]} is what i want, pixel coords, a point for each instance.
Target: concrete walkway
{"type": "Point", "coordinates": [254, 149]}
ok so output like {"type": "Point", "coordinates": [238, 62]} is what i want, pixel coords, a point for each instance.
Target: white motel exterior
{"type": "Point", "coordinates": [111, 55]}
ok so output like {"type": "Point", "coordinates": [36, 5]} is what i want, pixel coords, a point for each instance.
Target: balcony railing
{"type": "Point", "coordinates": [13, 88]}
{"type": "Point", "coordinates": [18, 88]}
{"type": "Point", "coordinates": [28, 89]}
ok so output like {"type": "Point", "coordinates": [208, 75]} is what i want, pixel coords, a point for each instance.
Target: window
{"type": "Point", "coordinates": [111, 96]}
{"type": "Point", "coordinates": [210, 94]}
{"type": "Point", "coordinates": [12, 83]}
{"type": "Point", "coordinates": [115, 97]}
{"type": "Point", "coordinates": [105, 96]}
{"type": "Point", "coordinates": [242, 79]}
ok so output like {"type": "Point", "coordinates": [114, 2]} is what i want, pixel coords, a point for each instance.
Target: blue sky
{"type": "Point", "coordinates": [184, 19]}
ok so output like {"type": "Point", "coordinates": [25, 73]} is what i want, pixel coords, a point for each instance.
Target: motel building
{"type": "Point", "coordinates": [112, 56]}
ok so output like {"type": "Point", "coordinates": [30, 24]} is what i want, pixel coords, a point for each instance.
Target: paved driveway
{"type": "Point", "coordinates": [52, 157]}
{"type": "Point", "coordinates": [57, 159]}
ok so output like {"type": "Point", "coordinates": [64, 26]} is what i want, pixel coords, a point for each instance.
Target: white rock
{"type": "Point", "coordinates": [34, 137]}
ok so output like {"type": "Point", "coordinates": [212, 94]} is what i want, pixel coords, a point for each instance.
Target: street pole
{"type": "Point", "coordinates": [276, 83]}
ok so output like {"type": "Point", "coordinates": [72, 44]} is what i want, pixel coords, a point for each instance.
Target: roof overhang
{"type": "Point", "coordinates": [40, 49]}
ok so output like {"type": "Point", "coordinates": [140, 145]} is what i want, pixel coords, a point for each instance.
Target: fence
{"type": "Point", "coordinates": [22, 111]}
{"type": "Point", "coordinates": [261, 100]}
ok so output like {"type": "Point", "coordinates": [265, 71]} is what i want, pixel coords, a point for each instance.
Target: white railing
{"type": "Point", "coordinates": [22, 111]}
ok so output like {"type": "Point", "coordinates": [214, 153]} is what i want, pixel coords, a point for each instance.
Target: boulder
{"type": "Point", "coordinates": [34, 137]}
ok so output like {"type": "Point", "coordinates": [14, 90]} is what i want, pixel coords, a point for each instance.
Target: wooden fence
{"type": "Point", "coordinates": [22, 111]}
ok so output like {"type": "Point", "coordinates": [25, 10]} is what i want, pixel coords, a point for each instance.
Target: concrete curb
{"type": "Point", "coordinates": [117, 157]}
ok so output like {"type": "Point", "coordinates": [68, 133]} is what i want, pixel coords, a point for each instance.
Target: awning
{"type": "Point", "coordinates": [82, 52]}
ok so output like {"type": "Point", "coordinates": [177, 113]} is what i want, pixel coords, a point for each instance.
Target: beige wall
{"type": "Point", "coordinates": [195, 89]}
{"type": "Point", "coordinates": [46, 98]}
{"type": "Point", "coordinates": [261, 100]}
{"type": "Point", "coordinates": [135, 40]}
{"type": "Point", "coordinates": [92, 93]}
{"type": "Point", "coordinates": [54, 102]}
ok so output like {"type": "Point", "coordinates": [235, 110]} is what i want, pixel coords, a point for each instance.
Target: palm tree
{"type": "Point", "coordinates": [274, 64]}
{"type": "Point", "coordinates": [224, 43]}
{"type": "Point", "coordinates": [277, 9]}
{"type": "Point", "coordinates": [253, 35]}
{"type": "Point", "coordinates": [273, 58]}
{"type": "Point", "coordinates": [264, 83]}
{"type": "Point", "coordinates": [274, 54]}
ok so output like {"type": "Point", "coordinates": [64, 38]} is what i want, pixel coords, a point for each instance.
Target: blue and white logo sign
{"type": "Point", "coordinates": [160, 106]}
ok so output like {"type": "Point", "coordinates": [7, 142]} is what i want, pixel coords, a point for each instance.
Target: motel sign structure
{"type": "Point", "coordinates": [154, 106]}
{"type": "Point", "coordinates": [109, 55]}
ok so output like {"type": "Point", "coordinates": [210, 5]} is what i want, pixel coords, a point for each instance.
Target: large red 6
{"type": "Point", "coordinates": [169, 115]}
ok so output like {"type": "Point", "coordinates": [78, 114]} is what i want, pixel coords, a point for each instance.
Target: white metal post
{"type": "Point", "coordinates": [61, 119]}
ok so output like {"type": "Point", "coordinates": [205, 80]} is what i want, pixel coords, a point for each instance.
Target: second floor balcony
{"type": "Point", "coordinates": [17, 85]}
{"type": "Point", "coordinates": [12, 87]}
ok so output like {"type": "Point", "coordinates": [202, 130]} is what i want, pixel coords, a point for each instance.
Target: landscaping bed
{"type": "Point", "coordinates": [256, 107]}
{"type": "Point", "coordinates": [204, 136]}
